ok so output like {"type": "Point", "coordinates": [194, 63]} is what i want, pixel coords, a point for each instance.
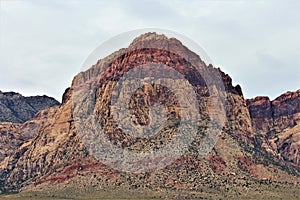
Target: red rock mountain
{"type": "Point", "coordinates": [276, 123]}
{"type": "Point", "coordinates": [258, 144]}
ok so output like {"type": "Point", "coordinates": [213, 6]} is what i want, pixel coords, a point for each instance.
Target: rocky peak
{"type": "Point", "coordinates": [11, 94]}
{"type": "Point", "coordinates": [282, 111]}
{"type": "Point", "coordinates": [260, 107]}
{"type": "Point", "coordinates": [57, 154]}
{"type": "Point", "coordinates": [277, 124]}
{"type": "Point", "coordinates": [228, 84]}
{"type": "Point", "coordinates": [16, 108]}
{"type": "Point", "coordinates": [165, 49]}
{"type": "Point", "coordinates": [287, 104]}
{"type": "Point", "coordinates": [147, 37]}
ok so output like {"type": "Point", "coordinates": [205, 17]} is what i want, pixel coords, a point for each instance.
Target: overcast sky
{"type": "Point", "coordinates": [43, 44]}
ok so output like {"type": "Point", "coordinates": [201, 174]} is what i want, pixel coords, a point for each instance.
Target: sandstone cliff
{"type": "Point", "coordinates": [58, 158]}
{"type": "Point", "coordinates": [276, 124]}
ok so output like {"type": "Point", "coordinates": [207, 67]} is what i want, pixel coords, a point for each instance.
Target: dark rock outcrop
{"type": "Point", "coordinates": [17, 109]}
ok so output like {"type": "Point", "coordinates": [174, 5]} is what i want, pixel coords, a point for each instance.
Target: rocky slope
{"type": "Point", "coordinates": [9, 133]}
{"type": "Point", "coordinates": [17, 109]}
{"type": "Point", "coordinates": [276, 124]}
{"type": "Point", "coordinates": [58, 157]}
{"type": "Point", "coordinates": [14, 135]}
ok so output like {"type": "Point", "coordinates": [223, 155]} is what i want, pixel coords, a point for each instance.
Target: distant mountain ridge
{"type": "Point", "coordinates": [17, 109]}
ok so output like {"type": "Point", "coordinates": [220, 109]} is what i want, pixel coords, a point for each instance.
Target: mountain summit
{"type": "Point", "coordinates": [66, 157]}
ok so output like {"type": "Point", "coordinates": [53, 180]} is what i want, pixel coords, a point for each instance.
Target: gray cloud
{"type": "Point", "coordinates": [44, 43]}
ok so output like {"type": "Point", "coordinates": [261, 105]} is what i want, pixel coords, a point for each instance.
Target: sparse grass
{"type": "Point", "coordinates": [261, 192]}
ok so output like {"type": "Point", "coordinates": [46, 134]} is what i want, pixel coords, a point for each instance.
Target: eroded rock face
{"type": "Point", "coordinates": [275, 115]}
{"type": "Point", "coordinates": [14, 135]}
{"type": "Point", "coordinates": [57, 155]}
{"type": "Point", "coordinates": [277, 124]}
{"type": "Point", "coordinates": [17, 109]}
{"type": "Point", "coordinates": [10, 139]}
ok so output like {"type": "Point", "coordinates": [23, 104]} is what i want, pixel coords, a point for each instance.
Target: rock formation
{"type": "Point", "coordinates": [57, 156]}
{"type": "Point", "coordinates": [17, 109]}
{"type": "Point", "coordinates": [276, 123]}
